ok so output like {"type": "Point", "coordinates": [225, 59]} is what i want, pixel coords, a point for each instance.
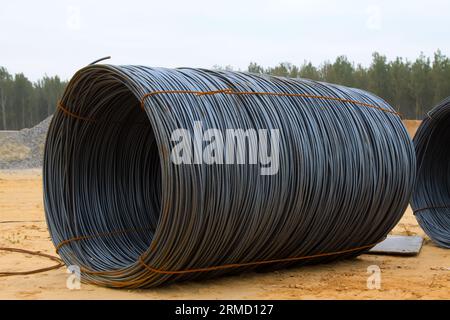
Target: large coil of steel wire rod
{"type": "Point", "coordinates": [320, 172]}
{"type": "Point", "coordinates": [431, 197]}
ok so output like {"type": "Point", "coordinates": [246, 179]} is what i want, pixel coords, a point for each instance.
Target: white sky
{"type": "Point", "coordinates": [58, 37]}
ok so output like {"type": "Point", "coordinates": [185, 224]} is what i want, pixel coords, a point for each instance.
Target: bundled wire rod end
{"type": "Point", "coordinates": [431, 197]}
{"type": "Point", "coordinates": [156, 175]}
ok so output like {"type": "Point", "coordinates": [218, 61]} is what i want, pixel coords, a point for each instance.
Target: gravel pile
{"type": "Point", "coordinates": [25, 148]}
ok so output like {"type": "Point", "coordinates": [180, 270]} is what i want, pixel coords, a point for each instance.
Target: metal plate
{"type": "Point", "coordinates": [399, 245]}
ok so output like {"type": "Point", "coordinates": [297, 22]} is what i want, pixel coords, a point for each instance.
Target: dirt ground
{"type": "Point", "coordinates": [22, 225]}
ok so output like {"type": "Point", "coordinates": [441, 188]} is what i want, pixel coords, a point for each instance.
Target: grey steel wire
{"type": "Point", "coordinates": [431, 197]}
{"type": "Point", "coordinates": [346, 174]}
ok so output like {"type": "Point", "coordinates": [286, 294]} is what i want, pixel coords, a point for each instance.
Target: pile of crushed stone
{"type": "Point", "coordinates": [23, 149]}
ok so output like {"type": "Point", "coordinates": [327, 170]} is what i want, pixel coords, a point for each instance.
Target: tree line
{"type": "Point", "coordinates": [23, 103]}
{"type": "Point", "coordinates": [412, 87]}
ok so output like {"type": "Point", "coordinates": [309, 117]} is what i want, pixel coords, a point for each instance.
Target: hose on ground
{"type": "Point", "coordinates": [59, 263]}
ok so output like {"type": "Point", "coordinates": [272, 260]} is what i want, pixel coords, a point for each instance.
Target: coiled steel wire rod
{"type": "Point", "coordinates": [431, 197]}
{"type": "Point", "coordinates": [118, 207]}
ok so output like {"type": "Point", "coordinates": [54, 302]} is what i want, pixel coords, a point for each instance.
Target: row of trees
{"type": "Point", "coordinates": [412, 87]}
{"type": "Point", "coordinates": [23, 103]}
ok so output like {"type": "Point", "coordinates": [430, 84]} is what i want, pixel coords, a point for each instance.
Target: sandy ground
{"type": "Point", "coordinates": [22, 225]}
{"type": "Point", "coordinates": [411, 126]}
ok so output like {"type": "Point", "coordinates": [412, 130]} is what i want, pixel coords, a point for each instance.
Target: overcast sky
{"type": "Point", "coordinates": [58, 37]}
